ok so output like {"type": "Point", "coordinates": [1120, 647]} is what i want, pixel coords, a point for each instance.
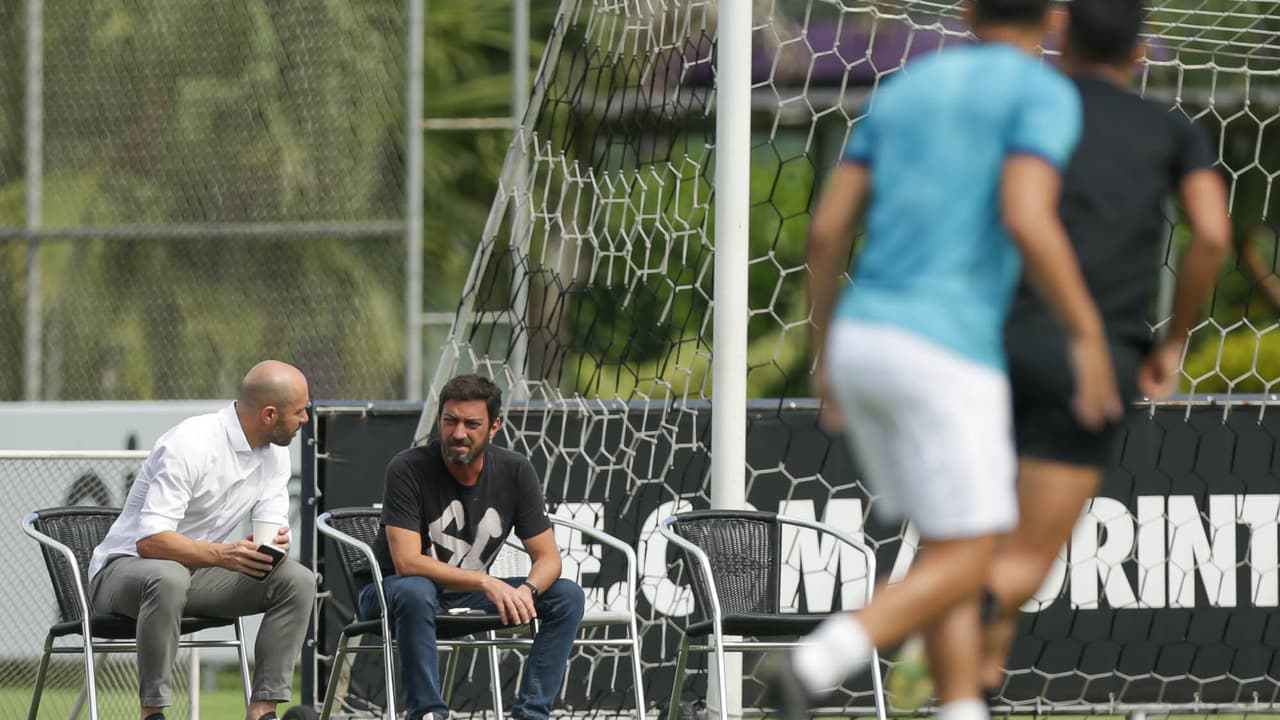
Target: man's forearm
{"type": "Point", "coordinates": [822, 282]}
{"type": "Point", "coordinates": [442, 574]}
{"type": "Point", "coordinates": [544, 573]}
{"type": "Point", "coordinates": [1204, 197]}
{"type": "Point", "coordinates": [170, 545]}
{"type": "Point", "coordinates": [1196, 275]}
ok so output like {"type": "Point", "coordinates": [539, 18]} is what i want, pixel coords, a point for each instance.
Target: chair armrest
{"type": "Point", "coordinates": [604, 538]}
{"type": "Point", "coordinates": [322, 524]}
{"type": "Point", "coordinates": [699, 556]}
{"type": "Point", "coordinates": [82, 598]}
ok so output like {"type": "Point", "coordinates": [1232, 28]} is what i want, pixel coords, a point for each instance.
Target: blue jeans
{"type": "Point", "coordinates": [414, 602]}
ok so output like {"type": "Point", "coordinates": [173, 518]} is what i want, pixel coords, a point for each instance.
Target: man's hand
{"type": "Point", "coordinates": [281, 540]}
{"type": "Point", "coordinates": [243, 556]}
{"type": "Point", "coordinates": [1158, 376]}
{"type": "Point", "coordinates": [515, 604]}
{"type": "Point", "coordinates": [1097, 400]}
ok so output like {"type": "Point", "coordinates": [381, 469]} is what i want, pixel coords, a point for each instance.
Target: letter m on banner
{"type": "Point", "coordinates": [816, 566]}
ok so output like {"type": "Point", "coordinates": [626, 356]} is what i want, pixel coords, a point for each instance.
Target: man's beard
{"type": "Point", "coordinates": [281, 436]}
{"type": "Point", "coordinates": [462, 454]}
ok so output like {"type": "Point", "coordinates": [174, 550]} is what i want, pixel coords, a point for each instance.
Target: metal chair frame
{"type": "Point", "coordinates": [488, 625]}
{"type": "Point", "coordinates": [719, 645]}
{"type": "Point", "coordinates": [82, 614]}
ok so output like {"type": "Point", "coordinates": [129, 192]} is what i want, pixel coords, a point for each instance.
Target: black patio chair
{"type": "Point", "coordinates": [67, 537]}
{"type": "Point", "coordinates": [735, 558]}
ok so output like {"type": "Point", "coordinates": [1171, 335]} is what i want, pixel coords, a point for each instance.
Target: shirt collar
{"type": "Point", "coordinates": [235, 433]}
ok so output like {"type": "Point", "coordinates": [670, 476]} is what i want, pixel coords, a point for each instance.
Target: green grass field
{"type": "Point", "coordinates": [224, 701]}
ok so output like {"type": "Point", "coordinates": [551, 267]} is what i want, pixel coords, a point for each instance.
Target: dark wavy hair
{"type": "Point", "coordinates": [1016, 12]}
{"type": "Point", "coordinates": [473, 387]}
{"type": "Point", "coordinates": [1105, 31]}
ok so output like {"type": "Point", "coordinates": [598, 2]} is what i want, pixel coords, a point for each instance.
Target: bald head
{"type": "Point", "coordinates": [271, 382]}
{"type": "Point", "coordinates": [272, 403]}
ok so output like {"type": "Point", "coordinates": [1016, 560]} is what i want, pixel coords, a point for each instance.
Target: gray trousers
{"type": "Point", "coordinates": [158, 593]}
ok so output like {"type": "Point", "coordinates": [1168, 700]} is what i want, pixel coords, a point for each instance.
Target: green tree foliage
{"type": "Point", "coordinates": [183, 112]}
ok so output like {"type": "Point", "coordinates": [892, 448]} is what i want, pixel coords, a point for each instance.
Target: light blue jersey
{"type": "Point", "coordinates": [937, 260]}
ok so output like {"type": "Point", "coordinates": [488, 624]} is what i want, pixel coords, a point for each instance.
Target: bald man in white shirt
{"type": "Point", "coordinates": [167, 554]}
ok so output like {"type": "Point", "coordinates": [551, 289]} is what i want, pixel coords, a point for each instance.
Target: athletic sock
{"type": "Point", "coordinates": [969, 709]}
{"type": "Point", "coordinates": [836, 649]}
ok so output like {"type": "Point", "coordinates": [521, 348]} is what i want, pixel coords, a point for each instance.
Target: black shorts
{"type": "Point", "coordinates": [1042, 384]}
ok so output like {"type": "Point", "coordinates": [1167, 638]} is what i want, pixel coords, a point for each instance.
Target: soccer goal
{"type": "Point", "coordinates": [591, 296]}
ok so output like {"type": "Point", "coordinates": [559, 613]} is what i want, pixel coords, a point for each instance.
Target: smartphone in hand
{"type": "Point", "coordinates": [277, 554]}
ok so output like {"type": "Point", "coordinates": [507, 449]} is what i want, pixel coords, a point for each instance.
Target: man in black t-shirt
{"type": "Point", "coordinates": [1133, 155]}
{"type": "Point", "coordinates": [447, 509]}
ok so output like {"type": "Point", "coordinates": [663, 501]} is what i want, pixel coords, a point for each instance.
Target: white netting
{"type": "Point", "coordinates": [592, 283]}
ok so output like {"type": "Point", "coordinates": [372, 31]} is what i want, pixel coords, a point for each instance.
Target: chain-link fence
{"type": "Point", "coordinates": [188, 187]}
{"type": "Point", "coordinates": [33, 481]}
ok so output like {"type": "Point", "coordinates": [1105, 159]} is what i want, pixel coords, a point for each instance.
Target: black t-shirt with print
{"type": "Point", "coordinates": [462, 526]}
{"type": "Point", "coordinates": [1133, 155]}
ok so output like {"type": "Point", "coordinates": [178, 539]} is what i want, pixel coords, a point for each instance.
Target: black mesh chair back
{"type": "Point", "coordinates": [745, 553]}
{"type": "Point", "coordinates": [81, 529]}
{"type": "Point", "coordinates": [361, 523]}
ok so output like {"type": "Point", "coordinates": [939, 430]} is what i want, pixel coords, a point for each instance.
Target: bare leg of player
{"type": "Point", "coordinates": [1050, 499]}
{"type": "Point", "coordinates": [954, 647]}
{"type": "Point", "coordinates": [948, 572]}
{"type": "Point", "coordinates": [1051, 496]}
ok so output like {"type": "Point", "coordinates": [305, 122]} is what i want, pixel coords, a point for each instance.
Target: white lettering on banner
{"type": "Point", "coordinates": [1170, 545]}
{"type": "Point", "coordinates": [1152, 578]}
{"type": "Point", "coordinates": [1092, 559]}
{"type": "Point", "coordinates": [1262, 514]}
{"type": "Point", "coordinates": [1190, 549]}
{"type": "Point", "coordinates": [665, 596]}
{"type": "Point", "coordinates": [907, 550]}
{"type": "Point", "coordinates": [811, 555]}
{"type": "Point", "coordinates": [581, 558]}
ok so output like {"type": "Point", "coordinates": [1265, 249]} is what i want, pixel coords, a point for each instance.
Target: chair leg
{"type": "Point", "coordinates": [90, 678]}
{"type": "Point", "coordinates": [677, 683]}
{"type": "Point", "coordinates": [877, 685]}
{"type": "Point", "coordinates": [38, 690]}
{"type": "Point", "coordinates": [637, 674]}
{"type": "Point", "coordinates": [243, 654]}
{"type": "Point", "coordinates": [495, 679]}
{"type": "Point", "coordinates": [335, 676]}
{"type": "Point", "coordinates": [389, 676]}
{"type": "Point", "coordinates": [721, 680]}
{"type": "Point", "coordinates": [450, 670]}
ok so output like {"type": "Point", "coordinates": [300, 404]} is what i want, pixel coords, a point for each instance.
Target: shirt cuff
{"type": "Point", "coordinates": [150, 523]}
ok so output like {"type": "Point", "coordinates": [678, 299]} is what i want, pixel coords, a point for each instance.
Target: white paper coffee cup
{"type": "Point", "coordinates": [265, 531]}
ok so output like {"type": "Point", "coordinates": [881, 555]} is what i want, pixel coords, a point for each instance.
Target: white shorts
{"type": "Point", "coordinates": [932, 430]}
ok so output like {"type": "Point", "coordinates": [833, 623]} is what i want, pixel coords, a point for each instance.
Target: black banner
{"type": "Point", "coordinates": [1167, 594]}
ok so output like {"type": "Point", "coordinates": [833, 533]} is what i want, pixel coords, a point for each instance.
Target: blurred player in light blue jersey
{"type": "Point", "coordinates": [958, 167]}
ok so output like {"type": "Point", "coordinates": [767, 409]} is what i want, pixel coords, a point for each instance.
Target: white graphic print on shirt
{"type": "Point", "coordinates": [464, 554]}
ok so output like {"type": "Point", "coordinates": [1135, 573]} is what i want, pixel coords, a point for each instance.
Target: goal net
{"type": "Point", "coordinates": [591, 290]}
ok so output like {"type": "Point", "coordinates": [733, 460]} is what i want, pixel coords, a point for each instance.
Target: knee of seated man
{"type": "Point", "coordinates": [297, 579]}
{"type": "Point", "coordinates": [167, 582]}
{"type": "Point", "coordinates": [570, 600]}
{"type": "Point", "coordinates": [412, 594]}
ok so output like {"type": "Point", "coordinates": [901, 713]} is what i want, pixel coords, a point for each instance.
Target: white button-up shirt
{"type": "Point", "coordinates": [201, 480]}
